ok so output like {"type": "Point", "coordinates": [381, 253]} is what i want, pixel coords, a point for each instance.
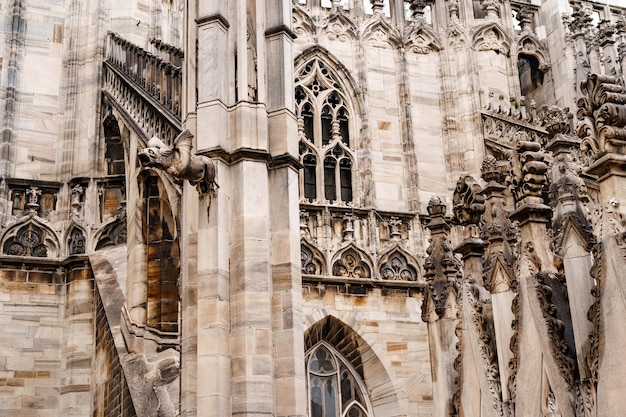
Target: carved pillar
{"type": "Point", "coordinates": [439, 310]}
{"type": "Point", "coordinates": [480, 390]}
{"type": "Point", "coordinates": [602, 115]}
{"type": "Point", "coordinates": [542, 347]}
{"type": "Point", "coordinates": [499, 261]}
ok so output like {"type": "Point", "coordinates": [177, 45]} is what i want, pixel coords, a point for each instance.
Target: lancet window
{"type": "Point", "coordinates": [335, 389]}
{"type": "Point", "coordinates": [324, 128]}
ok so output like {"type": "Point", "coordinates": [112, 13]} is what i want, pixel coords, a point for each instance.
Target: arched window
{"type": "Point", "coordinates": [324, 128]}
{"type": "Point", "coordinates": [335, 388]}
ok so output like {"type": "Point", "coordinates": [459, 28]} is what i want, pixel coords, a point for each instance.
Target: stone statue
{"type": "Point", "coordinates": [178, 161]}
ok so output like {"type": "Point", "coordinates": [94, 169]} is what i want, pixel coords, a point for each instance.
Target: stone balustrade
{"type": "Point", "coordinates": [147, 87]}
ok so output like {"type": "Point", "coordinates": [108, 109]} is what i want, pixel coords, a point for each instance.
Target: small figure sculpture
{"type": "Point", "coordinates": [178, 161]}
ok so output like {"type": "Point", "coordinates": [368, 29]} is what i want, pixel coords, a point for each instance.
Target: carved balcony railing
{"type": "Point", "coordinates": [144, 86]}
{"type": "Point", "coordinates": [507, 121]}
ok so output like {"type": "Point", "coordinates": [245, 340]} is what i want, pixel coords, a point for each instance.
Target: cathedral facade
{"type": "Point", "coordinates": [323, 208]}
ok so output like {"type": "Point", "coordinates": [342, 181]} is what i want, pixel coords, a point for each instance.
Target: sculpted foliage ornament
{"type": "Point", "coordinates": [602, 115]}
{"type": "Point", "coordinates": [555, 120]}
{"type": "Point", "coordinates": [547, 287]}
{"type": "Point", "coordinates": [482, 317]}
{"type": "Point", "coordinates": [178, 161]}
{"type": "Point", "coordinates": [468, 204]}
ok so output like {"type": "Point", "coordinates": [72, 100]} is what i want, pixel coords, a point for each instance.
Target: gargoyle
{"type": "Point", "coordinates": [178, 161]}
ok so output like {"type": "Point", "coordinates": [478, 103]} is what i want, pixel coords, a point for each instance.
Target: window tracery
{"type": "Point", "coordinates": [335, 389]}
{"type": "Point", "coordinates": [324, 128]}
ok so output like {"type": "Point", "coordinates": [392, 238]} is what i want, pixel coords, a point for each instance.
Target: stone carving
{"type": "Point", "coordinates": [492, 7]}
{"type": "Point", "coordinates": [441, 267]}
{"type": "Point", "coordinates": [159, 375]}
{"type": "Point", "coordinates": [514, 347]}
{"type": "Point", "coordinates": [529, 172]}
{"type": "Point", "coordinates": [311, 260]}
{"type": "Point", "coordinates": [351, 265]}
{"type": "Point", "coordinates": [606, 30]}
{"type": "Point", "coordinates": [77, 242]}
{"type": "Point", "coordinates": [32, 206]}
{"type": "Point", "coordinates": [602, 116]}
{"type": "Point", "coordinates": [491, 38]}
{"type": "Point", "coordinates": [546, 285]}
{"type": "Point", "coordinates": [338, 25]}
{"type": "Point", "coordinates": [348, 227]}
{"type": "Point", "coordinates": [498, 230]}
{"type": "Point", "coordinates": [381, 34]}
{"type": "Point", "coordinates": [529, 44]}
{"type": "Point", "coordinates": [453, 10]}
{"type": "Point", "coordinates": [468, 204]}
{"type": "Point", "coordinates": [456, 36]}
{"type": "Point", "coordinates": [570, 191]}
{"type": "Point", "coordinates": [114, 233]}
{"type": "Point", "coordinates": [178, 161]}
{"type": "Point", "coordinates": [29, 240]}
{"type": "Point", "coordinates": [525, 18]}
{"type": "Point", "coordinates": [422, 40]}
{"type": "Point", "coordinates": [397, 267]}
{"type": "Point", "coordinates": [555, 120]}
{"type": "Point", "coordinates": [75, 201]}
{"type": "Point", "coordinates": [482, 317]}
{"type": "Point", "coordinates": [417, 10]}
{"type": "Point", "coordinates": [581, 18]}
{"type": "Point", "coordinates": [302, 23]}
{"type": "Point", "coordinates": [395, 224]}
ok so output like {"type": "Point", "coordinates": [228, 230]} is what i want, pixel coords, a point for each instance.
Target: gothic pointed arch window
{"type": "Point", "coordinates": [325, 126]}
{"type": "Point", "coordinates": [335, 388]}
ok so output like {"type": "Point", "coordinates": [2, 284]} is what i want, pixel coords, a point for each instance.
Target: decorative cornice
{"type": "Point", "coordinates": [218, 17]}
{"type": "Point", "coordinates": [256, 155]}
{"type": "Point", "coordinates": [280, 29]}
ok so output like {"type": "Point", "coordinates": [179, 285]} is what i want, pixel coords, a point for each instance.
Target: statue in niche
{"type": "Point", "coordinates": [178, 161]}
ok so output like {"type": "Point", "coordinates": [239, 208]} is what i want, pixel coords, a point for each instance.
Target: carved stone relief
{"type": "Point", "coordinates": [396, 266]}
{"type": "Point", "coordinates": [351, 264]}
